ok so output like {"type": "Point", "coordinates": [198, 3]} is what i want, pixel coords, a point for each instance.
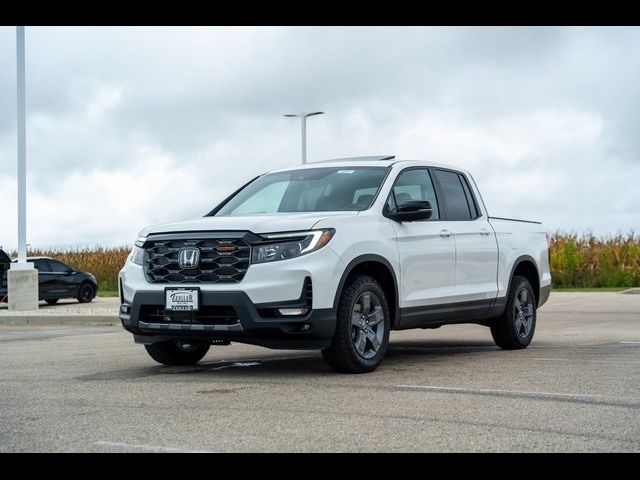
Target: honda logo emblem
{"type": "Point", "coordinates": [188, 257]}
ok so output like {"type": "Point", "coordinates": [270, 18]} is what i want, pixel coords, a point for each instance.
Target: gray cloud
{"type": "Point", "coordinates": [156, 124]}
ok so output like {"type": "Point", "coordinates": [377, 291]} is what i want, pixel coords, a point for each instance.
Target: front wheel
{"type": "Point", "coordinates": [515, 327]}
{"type": "Point", "coordinates": [177, 352]}
{"type": "Point", "coordinates": [86, 293]}
{"type": "Point", "coordinates": [362, 329]}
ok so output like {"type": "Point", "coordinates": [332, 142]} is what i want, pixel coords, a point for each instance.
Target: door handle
{"type": "Point", "coordinates": [484, 231]}
{"type": "Point", "coordinates": [445, 233]}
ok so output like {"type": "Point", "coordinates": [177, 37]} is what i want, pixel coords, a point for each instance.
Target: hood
{"type": "Point", "coordinates": [4, 258]}
{"type": "Point", "coordinates": [278, 222]}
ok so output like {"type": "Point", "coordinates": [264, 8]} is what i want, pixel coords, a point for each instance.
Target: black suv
{"type": "Point", "coordinates": [56, 280]}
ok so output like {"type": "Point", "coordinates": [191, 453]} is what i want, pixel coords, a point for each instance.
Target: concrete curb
{"type": "Point", "coordinates": [36, 319]}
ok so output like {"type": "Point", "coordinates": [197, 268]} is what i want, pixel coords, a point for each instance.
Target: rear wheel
{"type": "Point", "coordinates": [515, 327]}
{"type": "Point", "coordinates": [86, 293]}
{"type": "Point", "coordinates": [362, 328]}
{"type": "Point", "coordinates": [177, 352]}
{"type": "Point", "coordinates": [52, 301]}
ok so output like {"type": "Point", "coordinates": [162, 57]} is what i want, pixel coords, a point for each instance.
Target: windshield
{"type": "Point", "coordinates": [308, 190]}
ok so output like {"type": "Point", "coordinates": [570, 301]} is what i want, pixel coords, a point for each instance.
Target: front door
{"type": "Point", "coordinates": [426, 250]}
{"type": "Point", "coordinates": [63, 284]}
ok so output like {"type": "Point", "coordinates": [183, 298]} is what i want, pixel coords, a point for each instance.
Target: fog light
{"type": "Point", "coordinates": [125, 309]}
{"type": "Point", "coordinates": [290, 312]}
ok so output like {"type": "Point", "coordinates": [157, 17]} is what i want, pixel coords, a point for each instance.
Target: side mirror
{"type": "Point", "coordinates": [412, 210]}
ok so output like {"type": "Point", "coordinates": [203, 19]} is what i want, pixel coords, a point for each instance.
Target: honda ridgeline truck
{"type": "Point", "coordinates": [333, 256]}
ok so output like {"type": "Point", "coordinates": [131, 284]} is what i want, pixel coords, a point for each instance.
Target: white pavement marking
{"type": "Point", "coordinates": [150, 448]}
{"type": "Point", "coordinates": [521, 393]}
{"type": "Point", "coordinates": [581, 360]}
{"type": "Point", "coordinates": [627, 342]}
{"type": "Point", "coordinates": [237, 364]}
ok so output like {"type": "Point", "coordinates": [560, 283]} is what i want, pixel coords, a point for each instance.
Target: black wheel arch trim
{"type": "Point", "coordinates": [359, 260]}
{"type": "Point", "coordinates": [521, 259]}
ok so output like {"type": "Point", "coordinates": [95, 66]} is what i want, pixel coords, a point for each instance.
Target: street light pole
{"type": "Point", "coordinates": [22, 278]}
{"type": "Point", "coordinates": [303, 124]}
{"type": "Point", "coordinates": [22, 147]}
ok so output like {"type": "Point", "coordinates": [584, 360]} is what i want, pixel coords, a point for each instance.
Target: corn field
{"type": "Point", "coordinates": [577, 261]}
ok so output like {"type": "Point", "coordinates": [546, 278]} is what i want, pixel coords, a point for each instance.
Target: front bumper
{"type": "Point", "coordinates": [265, 285]}
{"type": "Point", "coordinates": [311, 331]}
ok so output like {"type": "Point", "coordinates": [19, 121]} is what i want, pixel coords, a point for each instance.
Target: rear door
{"type": "Point", "coordinates": [475, 241]}
{"type": "Point", "coordinates": [46, 281]}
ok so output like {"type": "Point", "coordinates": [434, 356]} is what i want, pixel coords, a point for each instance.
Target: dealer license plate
{"type": "Point", "coordinates": [181, 299]}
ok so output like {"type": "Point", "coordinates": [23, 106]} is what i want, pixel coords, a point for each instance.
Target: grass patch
{"type": "Point", "coordinates": [107, 293]}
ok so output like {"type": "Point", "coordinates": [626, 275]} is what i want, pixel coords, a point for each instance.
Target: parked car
{"type": "Point", "coordinates": [56, 280]}
{"type": "Point", "coordinates": [333, 256]}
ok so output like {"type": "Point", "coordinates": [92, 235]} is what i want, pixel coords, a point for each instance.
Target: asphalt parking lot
{"type": "Point", "coordinates": [576, 388]}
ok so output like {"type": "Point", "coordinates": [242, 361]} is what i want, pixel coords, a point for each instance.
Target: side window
{"type": "Point", "coordinates": [57, 267]}
{"type": "Point", "coordinates": [415, 184]}
{"type": "Point", "coordinates": [455, 198]}
{"type": "Point", "coordinates": [41, 265]}
{"type": "Point", "coordinates": [473, 208]}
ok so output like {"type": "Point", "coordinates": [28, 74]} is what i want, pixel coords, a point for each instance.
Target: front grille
{"type": "Point", "coordinates": [206, 315]}
{"type": "Point", "coordinates": [161, 261]}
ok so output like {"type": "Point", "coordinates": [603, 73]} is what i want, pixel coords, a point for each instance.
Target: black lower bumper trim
{"type": "Point", "coordinates": [311, 331]}
{"type": "Point", "coordinates": [544, 295]}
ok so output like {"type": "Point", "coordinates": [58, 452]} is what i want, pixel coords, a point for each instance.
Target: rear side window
{"type": "Point", "coordinates": [458, 201]}
{"type": "Point", "coordinates": [42, 265]}
{"type": "Point", "coordinates": [467, 191]}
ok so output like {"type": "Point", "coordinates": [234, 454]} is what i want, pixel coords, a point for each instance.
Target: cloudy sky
{"type": "Point", "coordinates": [128, 127]}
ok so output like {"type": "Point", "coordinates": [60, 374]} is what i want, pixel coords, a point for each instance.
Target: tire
{"type": "Point", "coordinates": [86, 293]}
{"type": "Point", "coordinates": [52, 301]}
{"type": "Point", "coordinates": [177, 352]}
{"type": "Point", "coordinates": [351, 326]}
{"type": "Point", "coordinates": [514, 329]}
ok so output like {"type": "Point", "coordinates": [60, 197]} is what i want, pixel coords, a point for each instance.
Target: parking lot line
{"type": "Point", "coordinates": [557, 396]}
{"type": "Point", "coordinates": [149, 448]}
{"type": "Point", "coordinates": [582, 360]}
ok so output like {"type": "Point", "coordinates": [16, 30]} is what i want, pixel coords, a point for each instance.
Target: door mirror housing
{"type": "Point", "coordinates": [411, 211]}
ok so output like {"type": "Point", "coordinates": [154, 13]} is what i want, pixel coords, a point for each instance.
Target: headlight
{"type": "Point", "coordinates": [292, 244]}
{"type": "Point", "coordinates": [137, 255]}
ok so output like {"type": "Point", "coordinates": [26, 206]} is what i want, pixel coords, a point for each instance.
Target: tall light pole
{"type": "Point", "coordinates": [22, 278]}
{"type": "Point", "coordinates": [303, 123]}
{"type": "Point", "coordinates": [22, 147]}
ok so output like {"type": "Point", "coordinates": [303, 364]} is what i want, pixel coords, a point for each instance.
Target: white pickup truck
{"type": "Point", "coordinates": [333, 256]}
